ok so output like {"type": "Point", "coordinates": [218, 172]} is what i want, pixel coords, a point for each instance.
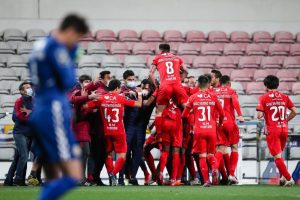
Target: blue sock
{"type": "Point", "coordinates": [54, 189]}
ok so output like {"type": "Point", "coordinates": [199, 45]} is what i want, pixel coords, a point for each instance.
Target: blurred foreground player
{"type": "Point", "coordinates": [53, 74]}
{"type": "Point", "coordinates": [273, 107]}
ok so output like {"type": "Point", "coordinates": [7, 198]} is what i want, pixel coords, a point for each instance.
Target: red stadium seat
{"type": "Point", "coordinates": [225, 62]}
{"type": "Point", "coordinates": [255, 88]}
{"type": "Point", "coordinates": [284, 37]}
{"type": "Point", "coordinates": [119, 48]}
{"type": "Point", "coordinates": [285, 87]}
{"type": "Point", "coordinates": [105, 35]}
{"type": "Point", "coordinates": [128, 36]}
{"type": "Point", "coordinates": [87, 37]}
{"type": "Point", "coordinates": [248, 62]}
{"type": "Point", "coordinates": [203, 62]}
{"type": "Point", "coordinates": [262, 37]}
{"type": "Point", "coordinates": [296, 88]}
{"type": "Point", "coordinates": [217, 36]}
{"type": "Point", "coordinates": [150, 36]}
{"type": "Point", "coordinates": [212, 49]}
{"type": "Point", "coordinates": [286, 75]}
{"type": "Point", "coordinates": [279, 49]}
{"type": "Point", "coordinates": [141, 49]}
{"type": "Point", "coordinates": [270, 62]}
{"type": "Point", "coordinates": [226, 71]}
{"type": "Point", "coordinates": [233, 49]}
{"type": "Point", "coordinates": [298, 37]}
{"type": "Point", "coordinates": [188, 60]}
{"type": "Point", "coordinates": [240, 37]}
{"type": "Point", "coordinates": [260, 75]}
{"type": "Point", "coordinates": [187, 49]}
{"type": "Point", "coordinates": [195, 36]}
{"type": "Point", "coordinates": [295, 50]}
{"type": "Point", "coordinates": [291, 62]}
{"type": "Point", "coordinates": [242, 75]}
{"type": "Point", "coordinates": [173, 36]}
{"type": "Point", "coordinates": [255, 50]}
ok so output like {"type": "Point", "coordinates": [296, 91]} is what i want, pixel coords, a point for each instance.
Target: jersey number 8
{"type": "Point", "coordinates": [170, 69]}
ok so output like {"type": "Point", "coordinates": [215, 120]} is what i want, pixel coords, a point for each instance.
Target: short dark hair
{"type": "Point", "coordinates": [128, 73]}
{"type": "Point", "coordinates": [217, 73]}
{"type": "Point", "coordinates": [208, 77]}
{"type": "Point", "coordinates": [103, 73]}
{"type": "Point", "coordinates": [84, 77]}
{"type": "Point", "coordinates": [164, 47]}
{"type": "Point", "coordinates": [75, 21]}
{"type": "Point", "coordinates": [271, 82]}
{"type": "Point", "coordinates": [114, 84]}
{"type": "Point", "coordinates": [224, 80]}
{"type": "Point", "coordinates": [203, 81]}
{"type": "Point", "coordinates": [150, 82]}
{"type": "Point", "coordinates": [24, 83]}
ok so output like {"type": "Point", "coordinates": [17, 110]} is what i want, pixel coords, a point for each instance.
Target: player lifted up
{"type": "Point", "coordinates": [169, 67]}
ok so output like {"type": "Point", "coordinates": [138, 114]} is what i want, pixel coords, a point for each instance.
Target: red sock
{"type": "Point", "coordinates": [158, 122]}
{"type": "Point", "coordinates": [191, 166]}
{"type": "Point", "coordinates": [282, 168]}
{"type": "Point", "coordinates": [219, 157]}
{"type": "Point", "coordinates": [118, 165]}
{"type": "Point", "coordinates": [203, 168]}
{"type": "Point", "coordinates": [234, 157]}
{"type": "Point", "coordinates": [212, 162]}
{"type": "Point", "coordinates": [175, 165]}
{"type": "Point", "coordinates": [163, 161]}
{"type": "Point", "coordinates": [109, 164]}
{"type": "Point", "coordinates": [222, 169]}
{"type": "Point", "coordinates": [150, 162]}
{"type": "Point", "coordinates": [227, 161]}
{"type": "Point", "coordinates": [181, 167]}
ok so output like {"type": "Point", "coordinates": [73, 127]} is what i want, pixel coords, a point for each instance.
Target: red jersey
{"type": "Point", "coordinates": [229, 102]}
{"type": "Point", "coordinates": [205, 105]}
{"type": "Point", "coordinates": [168, 66]}
{"type": "Point", "coordinates": [274, 105]}
{"type": "Point", "coordinates": [171, 111]}
{"type": "Point", "coordinates": [112, 108]}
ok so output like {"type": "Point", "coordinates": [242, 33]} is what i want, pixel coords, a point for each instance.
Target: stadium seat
{"type": "Point", "coordinates": [296, 100]}
{"type": "Point", "coordinates": [259, 75]}
{"type": "Point", "coordinates": [35, 34]}
{"type": "Point", "coordinates": [247, 101]}
{"type": "Point", "coordinates": [187, 49]}
{"type": "Point", "coordinates": [291, 62]}
{"type": "Point", "coordinates": [294, 153]}
{"type": "Point", "coordinates": [24, 47]}
{"type": "Point", "coordinates": [286, 75]}
{"type": "Point", "coordinates": [111, 61]}
{"type": "Point", "coordinates": [14, 87]}
{"type": "Point", "coordinates": [233, 49]}
{"type": "Point", "coordinates": [88, 61]}
{"type": "Point", "coordinates": [270, 63]}
{"type": "Point", "coordinates": [248, 113]}
{"type": "Point", "coordinates": [279, 49]}
{"type": "Point", "coordinates": [248, 62]}
{"type": "Point", "coordinates": [241, 75]}
{"type": "Point", "coordinates": [255, 88]}
{"type": "Point", "coordinates": [295, 50]}
{"type": "Point", "coordinates": [13, 35]}
{"type": "Point", "coordinates": [119, 48]}
{"type": "Point", "coordinates": [262, 37]}
{"type": "Point", "coordinates": [212, 49]}
{"type": "Point", "coordinates": [217, 37]}
{"type": "Point", "coordinates": [8, 74]}
{"type": "Point", "coordinates": [203, 62]}
{"type": "Point", "coordinates": [150, 61]}
{"type": "Point", "coordinates": [16, 61]}
{"type": "Point", "coordinates": [225, 62]}
{"type": "Point", "coordinates": [240, 37]}
{"type": "Point", "coordinates": [237, 87]}
{"type": "Point", "coordinates": [105, 35]}
{"type": "Point", "coordinates": [255, 50]}
{"type": "Point", "coordinates": [5, 48]}
{"type": "Point", "coordinates": [87, 37]}
{"type": "Point", "coordinates": [2, 61]}
{"type": "Point", "coordinates": [141, 49]}
{"type": "Point", "coordinates": [127, 35]}
{"type": "Point", "coordinates": [284, 37]}
{"type": "Point", "coordinates": [150, 36]}
{"type": "Point", "coordinates": [195, 37]}
{"type": "Point", "coordinates": [4, 87]}
{"type": "Point", "coordinates": [134, 62]}
{"type": "Point", "coordinates": [296, 88]}
{"type": "Point", "coordinates": [173, 36]}
{"type": "Point", "coordinates": [96, 48]}
{"type": "Point", "coordinates": [285, 87]}
{"type": "Point", "coordinates": [249, 152]}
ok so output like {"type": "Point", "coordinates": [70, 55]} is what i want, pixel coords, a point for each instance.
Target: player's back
{"type": "Point", "coordinates": [225, 95]}
{"type": "Point", "coordinates": [168, 66]}
{"type": "Point", "coordinates": [51, 69]}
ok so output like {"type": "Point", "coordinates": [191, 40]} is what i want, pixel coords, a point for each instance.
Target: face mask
{"type": "Point", "coordinates": [29, 92]}
{"type": "Point", "coordinates": [145, 93]}
{"type": "Point", "coordinates": [130, 84]}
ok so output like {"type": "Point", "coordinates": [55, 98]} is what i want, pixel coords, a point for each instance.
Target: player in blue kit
{"type": "Point", "coordinates": [53, 75]}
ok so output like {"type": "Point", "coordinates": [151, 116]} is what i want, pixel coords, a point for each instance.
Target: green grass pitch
{"type": "Point", "coordinates": [251, 192]}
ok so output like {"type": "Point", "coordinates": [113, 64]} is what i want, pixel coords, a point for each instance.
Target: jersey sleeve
{"type": "Point", "coordinates": [188, 107]}
{"type": "Point", "coordinates": [290, 104]}
{"type": "Point", "coordinates": [236, 104]}
{"type": "Point", "coordinates": [127, 102]}
{"type": "Point", "coordinates": [93, 104]}
{"type": "Point", "coordinates": [63, 68]}
{"type": "Point", "coordinates": [155, 61]}
{"type": "Point", "coordinates": [260, 105]}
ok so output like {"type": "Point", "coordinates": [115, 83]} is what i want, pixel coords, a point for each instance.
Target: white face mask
{"type": "Point", "coordinates": [130, 84]}
{"type": "Point", "coordinates": [29, 92]}
{"type": "Point", "coordinates": [145, 93]}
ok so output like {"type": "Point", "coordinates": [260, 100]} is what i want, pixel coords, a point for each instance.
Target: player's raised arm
{"type": "Point", "coordinates": [152, 72]}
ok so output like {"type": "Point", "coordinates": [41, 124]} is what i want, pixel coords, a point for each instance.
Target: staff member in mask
{"type": "Point", "coordinates": [22, 136]}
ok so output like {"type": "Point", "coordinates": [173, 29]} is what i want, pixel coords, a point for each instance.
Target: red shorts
{"type": "Point", "coordinates": [171, 132]}
{"type": "Point", "coordinates": [168, 91]}
{"type": "Point", "coordinates": [221, 137]}
{"type": "Point", "coordinates": [276, 142]}
{"type": "Point", "coordinates": [204, 143]}
{"type": "Point", "coordinates": [116, 143]}
{"type": "Point", "coordinates": [231, 131]}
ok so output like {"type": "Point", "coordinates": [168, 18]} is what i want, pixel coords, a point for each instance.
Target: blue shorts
{"type": "Point", "coordinates": [51, 123]}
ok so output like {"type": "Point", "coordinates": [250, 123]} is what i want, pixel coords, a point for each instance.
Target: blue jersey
{"type": "Point", "coordinates": [53, 75]}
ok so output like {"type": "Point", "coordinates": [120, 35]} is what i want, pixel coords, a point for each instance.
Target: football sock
{"type": "Point", "coordinates": [222, 169]}
{"type": "Point", "coordinates": [219, 157]}
{"type": "Point", "coordinates": [203, 168]}
{"type": "Point", "coordinates": [163, 160]}
{"type": "Point", "coordinates": [175, 165]}
{"type": "Point", "coordinates": [118, 165]}
{"type": "Point", "coordinates": [181, 167]}
{"type": "Point", "coordinates": [226, 158]}
{"type": "Point", "coordinates": [150, 162]}
{"type": "Point", "coordinates": [282, 168]}
{"type": "Point", "coordinates": [55, 189]}
{"type": "Point", "coordinates": [109, 164]}
{"type": "Point", "coordinates": [234, 157]}
{"type": "Point", "coordinates": [191, 166]}
{"type": "Point", "coordinates": [212, 162]}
